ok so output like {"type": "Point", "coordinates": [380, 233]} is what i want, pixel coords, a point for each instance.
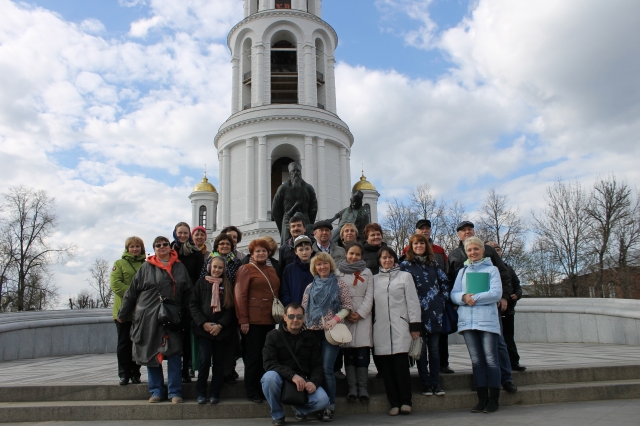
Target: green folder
{"type": "Point", "coordinates": [477, 282]}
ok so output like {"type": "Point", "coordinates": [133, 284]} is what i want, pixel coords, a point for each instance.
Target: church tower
{"type": "Point", "coordinates": [283, 109]}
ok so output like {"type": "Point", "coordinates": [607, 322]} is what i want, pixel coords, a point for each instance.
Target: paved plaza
{"type": "Point", "coordinates": [624, 412]}
{"type": "Point", "coordinates": [102, 369]}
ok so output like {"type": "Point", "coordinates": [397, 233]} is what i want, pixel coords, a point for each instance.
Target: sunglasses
{"type": "Point", "coordinates": [296, 316]}
{"type": "Point", "coordinates": [161, 244]}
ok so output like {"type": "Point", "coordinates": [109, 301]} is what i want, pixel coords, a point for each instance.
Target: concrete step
{"type": "Point", "coordinates": [449, 382]}
{"type": "Point", "coordinates": [238, 408]}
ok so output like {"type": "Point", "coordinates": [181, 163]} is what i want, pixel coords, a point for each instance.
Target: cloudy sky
{"type": "Point", "coordinates": [112, 105]}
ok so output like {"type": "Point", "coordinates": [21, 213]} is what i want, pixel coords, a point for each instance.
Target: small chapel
{"type": "Point", "coordinates": [283, 110]}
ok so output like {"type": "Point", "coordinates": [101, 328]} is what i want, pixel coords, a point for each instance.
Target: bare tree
{"type": "Point", "coordinates": [504, 225]}
{"type": "Point", "coordinates": [426, 206]}
{"type": "Point", "coordinates": [608, 209]}
{"type": "Point", "coordinates": [84, 300]}
{"type": "Point", "coordinates": [543, 277]}
{"type": "Point", "coordinates": [626, 255]}
{"type": "Point", "coordinates": [100, 281]}
{"type": "Point", "coordinates": [563, 228]}
{"type": "Point", "coordinates": [454, 213]}
{"type": "Point", "coordinates": [398, 223]}
{"type": "Point", "coordinates": [30, 221]}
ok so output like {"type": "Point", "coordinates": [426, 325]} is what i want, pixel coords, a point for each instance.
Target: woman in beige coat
{"type": "Point", "coordinates": [359, 279]}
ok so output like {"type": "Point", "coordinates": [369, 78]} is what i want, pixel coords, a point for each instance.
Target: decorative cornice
{"type": "Point", "coordinates": [233, 126]}
{"type": "Point", "coordinates": [268, 14]}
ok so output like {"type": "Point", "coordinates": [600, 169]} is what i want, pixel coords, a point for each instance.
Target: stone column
{"type": "Point", "coordinates": [331, 84]}
{"type": "Point", "coordinates": [309, 168]}
{"type": "Point", "coordinates": [250, 192]}
{"type": "Point", "coordinates": [349, 185]}
{"type": "Point", "coordinates": [263, 195]}
{"type": "Point", "coordinates": [257, 77]}
{"type": "Point", "coordinates": [226, 187]}
{"type": "Point", "coordinates": [344, 179]}
{"type": "Point", "coordinates": [321, 188]}
{"type": "Point", "coordinates": [235, 84]}
{"type": "Point", "coordinates": [310, 90]}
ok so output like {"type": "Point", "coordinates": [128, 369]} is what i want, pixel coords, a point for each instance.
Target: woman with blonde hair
{"type": "Point", "coordinates": [327, 302]}
{"type": "Point", "coordinates": [348, 234]}
{"type": "Point", "coordinates": [479, 323]}
{"type": "Point", "coordinates": [122, 273]}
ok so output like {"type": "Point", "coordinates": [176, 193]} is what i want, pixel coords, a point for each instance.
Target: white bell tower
{"type": "Point", "coordinates": [283, 109]}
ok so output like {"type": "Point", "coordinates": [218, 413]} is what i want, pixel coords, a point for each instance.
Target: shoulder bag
{"type": "Point", "coordinates": [338, 335]}
{"type": "Point", "coordinates": [277, 308]}
{"type": "Point", "coordinates": [290, 394]}
{"type": "Point", "coordinates": [169, 311]}
{"type": "Point", "coordinates": [415, 350]}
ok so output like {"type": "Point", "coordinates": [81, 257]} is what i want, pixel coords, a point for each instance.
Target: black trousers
{"type": "Point", "coordinates": [397, 379]}
{"type": "Point", "coordinates": [186, 350]}
{"type": "Point", "coordinates": [212, 355]}
{"type": "Point", "coordinates": [508, 331]}
{"type": "Point", "coordinates": [337, 366]}
{"type": "Point", "coordinates": [127, 367]}
{"type": "Point", "coordinates": [253, 342]}
{"type": "Point", "coordinates": [232, 353]}
{"type": "Point", "coordinates": [444, 349]}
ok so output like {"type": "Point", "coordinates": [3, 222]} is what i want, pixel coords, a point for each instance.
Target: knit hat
{"type": "Point", "coordinates": [199, 228]}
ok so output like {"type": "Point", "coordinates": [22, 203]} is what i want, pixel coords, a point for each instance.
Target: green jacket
{"type": "Point", "coordinates": [122, 274]}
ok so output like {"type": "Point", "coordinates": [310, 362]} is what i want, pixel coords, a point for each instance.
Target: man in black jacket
{"type": "Point", "coordinates": [457, 258]}
{"type": "Point", "coordinates": [508, 316]}
{"type": "Point", "coordinates": [280, 365]}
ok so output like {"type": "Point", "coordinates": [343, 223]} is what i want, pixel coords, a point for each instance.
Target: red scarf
{"type": "Point", "coordinates": [357, 278]}
{"type": "Point", "coordinates": [155, 261]}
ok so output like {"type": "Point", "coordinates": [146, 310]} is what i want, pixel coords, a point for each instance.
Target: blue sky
{"type": "Point", "coordinates": [112, 106]}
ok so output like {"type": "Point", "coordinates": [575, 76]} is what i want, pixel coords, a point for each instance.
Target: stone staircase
{"type": "Point", "coordinates": [114, 402]}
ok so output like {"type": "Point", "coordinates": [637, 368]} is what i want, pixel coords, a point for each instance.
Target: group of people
{"type": "Point", "coordinates": [228, 303]}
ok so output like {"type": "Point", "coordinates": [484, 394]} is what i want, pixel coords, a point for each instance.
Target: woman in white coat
{"type": "Point", "coordinates": [354, 272]}
{"type": "Point", "coordinates": [398, 321]}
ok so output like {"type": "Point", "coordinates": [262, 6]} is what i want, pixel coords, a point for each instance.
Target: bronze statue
{"type": "Point", "coordinates": [293, 196]}
{"type": "Point", "coordinates": [355, 214]}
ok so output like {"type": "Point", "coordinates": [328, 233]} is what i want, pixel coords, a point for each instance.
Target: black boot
{"type": "Point", "coordinates": [483, 398]}
{"type": "Point", "coordinates": [494, 396]}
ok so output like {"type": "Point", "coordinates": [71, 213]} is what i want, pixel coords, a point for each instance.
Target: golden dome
{"type": "Point", "coordinates": [363, 184]}
{"type": "Point", "coordinates": [204, 185]}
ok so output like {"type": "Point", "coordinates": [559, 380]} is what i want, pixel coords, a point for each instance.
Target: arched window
{"type": "Point", "coordinates": [284, 69]}
{"type": "Point", "coordinates": [367, 208]}
{"type": "Point", "coordinates": [246, 74]}
{"type": "Point", "coordinates": [320, 59]}
{"type": "Point", "coordinates": [202, 216]}
{"type": "Point", "coordinates": [283, 4]}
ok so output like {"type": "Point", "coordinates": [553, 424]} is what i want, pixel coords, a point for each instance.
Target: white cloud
{"type": "Point", "coordinates": [141, 27]}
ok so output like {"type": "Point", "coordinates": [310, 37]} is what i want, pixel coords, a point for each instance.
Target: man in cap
{"type": "Point", "coordinates": [322, 234]}
{"type": "Point", "coordinates": [423, 226]}
{"type": "Point", "coordinates": [457, 258]}
{"type": "Point", "coordinates": [286, 251]}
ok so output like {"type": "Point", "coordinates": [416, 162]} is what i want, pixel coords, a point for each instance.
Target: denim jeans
{"type": "Point", "coordinates": [430, 356]}
{"type": "Point", "coordinates": [503, 355]}
{"type": "Point", "coordinates": [272, 387]}
{"type": "Point", "coordinates": [329, 355]}
{"type": "Point", "coordinates": [156, 378]}
{"type": "Point", "coordinates": [483, 350]}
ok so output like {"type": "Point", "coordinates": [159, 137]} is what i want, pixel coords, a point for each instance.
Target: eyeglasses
{"type": "Point", "coordinates": [161, 245]}
{"type": "Point", "coordinates": [295, 316]}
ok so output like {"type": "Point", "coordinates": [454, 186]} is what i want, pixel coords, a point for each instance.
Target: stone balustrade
{"type": "Point", "coordinates": [75, 332]}
{"type": "Point", "coordinates": [575, 320]}
{"type": "Point", "coordinates": [26, 335]}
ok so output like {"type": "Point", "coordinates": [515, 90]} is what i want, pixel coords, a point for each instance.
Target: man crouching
{"type": "Point", "coordinates": [280, 365]}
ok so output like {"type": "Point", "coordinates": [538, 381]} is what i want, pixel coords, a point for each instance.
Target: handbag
{"type": "Point", "coordinates": [277, 308]}
{"type": "Point", "coordinates": [415, 350]}
{"type": "Point", "coordinates": [290, 394]}
{"type": "Point", "coordinates": [449, 319]}
{"type": "Point", "coordinates": [338, 335]}
{"type": "Point", "coordinates": [169, 312]}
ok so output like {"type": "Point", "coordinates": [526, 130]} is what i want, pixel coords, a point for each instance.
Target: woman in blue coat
{"type": "Point", "coordinates": [479, 324]}
{"type": "Point", "coordinates": [432, 287]}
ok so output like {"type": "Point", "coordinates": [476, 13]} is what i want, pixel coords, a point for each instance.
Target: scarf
{"type": "Point", "coordinates": [351, 268]}
{"type": "Point", "coordinates": [394, 268]}
{"type": "Point", "coordinates": [323, 297]}
{"type": "Point", "coordinates": [186, 248]}
{"type": "Point", "coordinates": [421, 259]}
{"type": "Point", "coordinates": [155, 261]}
{"type": "Point", "coordinates": [215, 295]}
